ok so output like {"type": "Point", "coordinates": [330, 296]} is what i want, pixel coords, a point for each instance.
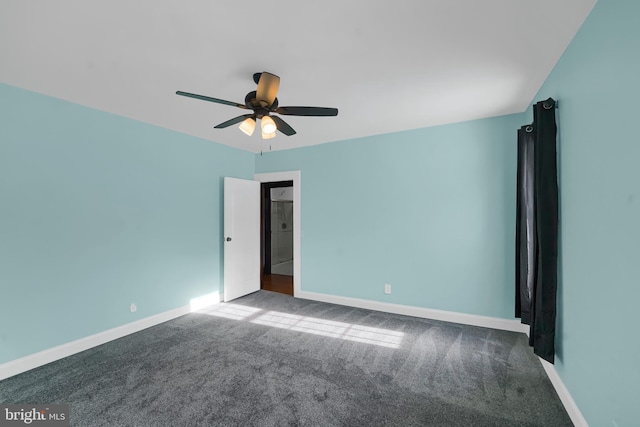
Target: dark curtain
{"type": "Point", "coordinates": [537, 229]}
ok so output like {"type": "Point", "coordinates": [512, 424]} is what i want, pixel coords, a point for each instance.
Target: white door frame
{"type": "Point", "coordinates": [295, 177]}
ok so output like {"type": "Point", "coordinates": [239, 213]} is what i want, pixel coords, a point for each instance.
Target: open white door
{"type": "Point", "coordinates": [242, 237]}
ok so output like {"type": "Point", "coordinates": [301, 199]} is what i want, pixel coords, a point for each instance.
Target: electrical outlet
{"type": "Point", "coordinates": [133, 308]}
{"type": "Point", "coordinates": [387, 289]}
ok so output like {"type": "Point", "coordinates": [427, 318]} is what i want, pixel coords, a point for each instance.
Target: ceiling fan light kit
{"type": "Point", "coordinates": [268, 125]}
{"type": "Point", "coordinates": [248, 126]}
{"type": "Point", "coordinates": [264, 102]}
{"type": "Point", "coordinates": [268, 135]}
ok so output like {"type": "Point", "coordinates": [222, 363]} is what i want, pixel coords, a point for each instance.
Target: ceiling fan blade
{"type": "Point", "coordinates": [233, 121]}
{"type": "Point", "coordinates": [283, 126]}
{"type": "Point", "coordinates": [210, 99]}
{"type": "Point", "coordinates": [268, 88]}
{"type": "Point", "coordinates": [307, 111]}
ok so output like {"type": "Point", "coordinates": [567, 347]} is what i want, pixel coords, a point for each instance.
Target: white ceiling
{"type": "Point", "coordinates": [386, 65]}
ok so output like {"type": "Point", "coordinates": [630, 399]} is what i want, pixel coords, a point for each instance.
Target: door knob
{"type": "Point", "coordinates": [228, 239]}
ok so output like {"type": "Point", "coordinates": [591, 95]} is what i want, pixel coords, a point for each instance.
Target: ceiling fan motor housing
{"type": "Point", "coordinates": [259, 108]}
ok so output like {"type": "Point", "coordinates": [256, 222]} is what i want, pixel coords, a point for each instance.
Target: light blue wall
{"type": "Point", "coordinates": [429, 211]}
{"type": "Point", "coordinates": [96, 212]}
{"type": "Point", "coordinates": [597, 85]}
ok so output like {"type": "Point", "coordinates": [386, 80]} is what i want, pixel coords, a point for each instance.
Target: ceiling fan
{"type": "Point", "coordinates": [264, 103]}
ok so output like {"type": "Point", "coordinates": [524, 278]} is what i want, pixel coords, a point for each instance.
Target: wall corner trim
{"type": "Point", "coordinates": [26, 363]}
{"type": "Point", "coordinates": [565, 397]}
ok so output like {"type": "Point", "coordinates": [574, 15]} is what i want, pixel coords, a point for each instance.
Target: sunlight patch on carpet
{"type": "Point", "coordinates": [311, 325]}
{"type": "Point", "coordinates": [330, 328]}
{"type": "Point", "coordinates": [230, 311]}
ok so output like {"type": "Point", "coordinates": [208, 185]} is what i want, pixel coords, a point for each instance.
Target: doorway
{"type": "Point", "coordinates": [277, 177]}
{"type": "Point", "coordinates": [277, 236]}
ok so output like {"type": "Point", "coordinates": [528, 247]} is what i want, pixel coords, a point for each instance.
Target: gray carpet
{"type": "Point", "coordinates": [272, 360]}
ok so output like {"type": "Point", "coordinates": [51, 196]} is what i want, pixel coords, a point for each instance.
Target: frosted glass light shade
{"type": "Point", "coordinates": [268, 125]}
{"type": "Point", "coordinates": [268, 135]}
{"type": "Point", "coordinates": [248, 126]}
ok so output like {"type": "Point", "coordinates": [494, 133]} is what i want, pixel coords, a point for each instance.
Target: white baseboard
{"type": "Point", "coordinates": [426, 313]}
{"type": "Point", "coordinates": [565, 397]}
{"type": "Point", "coordinates": [49, 355]}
